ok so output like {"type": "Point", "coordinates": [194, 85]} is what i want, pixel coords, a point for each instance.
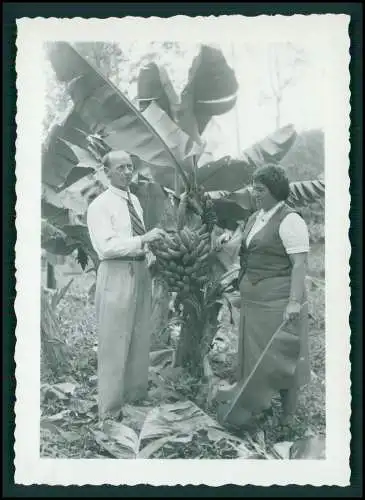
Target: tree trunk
{"type": "Point", "coordinates": [54, 350]}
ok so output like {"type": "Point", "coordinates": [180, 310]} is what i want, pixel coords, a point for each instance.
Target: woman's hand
{"type": "Point", "coordinates": [221, 240]}
{"type": "Point", "coordinates": [292, 311]}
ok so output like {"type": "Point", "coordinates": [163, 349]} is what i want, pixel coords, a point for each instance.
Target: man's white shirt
{"type": "Point", "coordinates": [110, 226]}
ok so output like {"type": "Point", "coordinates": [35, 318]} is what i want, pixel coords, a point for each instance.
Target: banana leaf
{"type": "Point", "coordinates": [56, 241]}
{"type": "Point", "coordinates": [154, 201]}
{"type": "Point", "coordinates": [109, 113]}
{"type": "Point", "coordinates": [305, 192]}
{"type": "Point", "coordinates": [210, 90]}
{"type": "Point", "coordinates": [155, 85]}
{"type": "Point", "coordinates": [229, 174]}
{"type": "Point", "coordinates": [65, 159]}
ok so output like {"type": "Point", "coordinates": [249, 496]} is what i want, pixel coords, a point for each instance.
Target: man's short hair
{"type": "Point", "coordinates": [106, 160]}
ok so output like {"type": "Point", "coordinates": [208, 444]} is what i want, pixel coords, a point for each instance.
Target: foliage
{"type": "Point", "coordinates": [166, 138]}
{"type": "Point", "coordinates": [305, 160]}
{"type": "Point", "coordinates": [69, 400]}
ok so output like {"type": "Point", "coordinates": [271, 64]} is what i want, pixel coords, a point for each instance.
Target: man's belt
{"type": "Point", "coordinates": [127, 258]}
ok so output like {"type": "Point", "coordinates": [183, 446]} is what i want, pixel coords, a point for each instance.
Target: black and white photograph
{"type": "Point", "coordinates": [182, 251]}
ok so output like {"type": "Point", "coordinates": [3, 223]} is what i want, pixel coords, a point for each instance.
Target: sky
{"type": "Point", "coordinates": [303, 103]}
{"type": "Point", "coordinates": [254, 117]}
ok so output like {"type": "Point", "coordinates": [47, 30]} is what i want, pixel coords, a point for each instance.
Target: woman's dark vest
{"type": "Point", "coordinates": [265, 257]}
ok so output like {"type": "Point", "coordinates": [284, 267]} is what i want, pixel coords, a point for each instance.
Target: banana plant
{"type": "Point", "coordinates": [164, 137]}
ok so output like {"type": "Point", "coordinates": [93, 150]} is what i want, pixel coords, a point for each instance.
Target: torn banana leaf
{"type": "Point", "coordinates": [306, 192]}
{"type": "Point", "coordinates": [108, 112]}
{"type": "Point", "coordinates": [154, 85]}
{"type": "Point", "coordinates": [65, 158]}
{"type": "Point", "coordinates": [211, 90]}
{"type": "Point", "coordinates": [229, 174]}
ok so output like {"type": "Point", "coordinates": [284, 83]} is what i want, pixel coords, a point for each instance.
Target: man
{"type": "Point", "coordinates": [123, 289]}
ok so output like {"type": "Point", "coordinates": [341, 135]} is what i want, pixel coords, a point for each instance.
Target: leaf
{"type": "Point", "coordinates": [55, 240]}
{"type": "Point", "coordinates": [60, 293]}
{"type": "Point", "coordinates": [230, 175]}
{"type": "Point", "coordinates": [57, 417]}
{"type": "Point", "coordinates": [154, 446]}
{"type": "Point", "coordinates": [283, 449]}
{"type": "Point", "coordinates": [210, 81]}
{"type": "Point", "coordinates": [124, 435]}
{"type": "Point", "coordinates": [69, 436]}
{"type": "Point", "coordinates": [305, 192]}
{"type": "Point", "coordinates": [107, 111]}
{"type": "Point", "coordinates": [155, 85]}
{"type": "Point", "coordinates": [180, 144]}
{"type": "Point", "coordinates": [59, 158]}
{"type": "Point", "coordinates": [112, 446]}
{"type": "Point", "coordinates": [310, 448]}
{"type": "Point", "coordinates": [154, 202]}
{"type": "Point", "coordinates": [161, 358]}
{"type": "Point", "coordinates": [49, 426]}
{"type": "Point", "coordinates": [66, 388]}
{"type": "Point", "coordinates": [82, 258]}
{"type": "Point", "coordinates": [216, 435]}
{"type": "Point", "coordinates": [175, 419]}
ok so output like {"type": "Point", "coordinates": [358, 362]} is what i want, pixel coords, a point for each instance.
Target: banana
{"type": "Point", "coordinates": [203, 229]}
{"type": "Point", "coordinates": [172, 243]}
{"type": "Point", "coordinates": [201, 247]}
{"type": "Point", "coordinates": [172, 266]}
{"type": "Point", "coordinates": [203, 257]}
{"type": "Point", "coordinates": [189, 270]}
{"type": "Point", "coordinates": [181, 244]}
{"type": "Point", "coordinates": [174, 254]}
{"type": "Point", "coordinates": [164, 255]}
{"type": "Point", "coordinates": [205, 236]}
{"type": "Point", "coordinates": [187, 258]}
{"type": "Point", "coordinates": [184, 235]}
{"type": "Point", "coordinates": [181, 270]}
{"type": "Point", "coordinates": [180, 283]}
{"type": "Point", "coordinates": [170, 274]}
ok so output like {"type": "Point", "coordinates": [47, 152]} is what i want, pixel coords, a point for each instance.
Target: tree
{"type": "Point", "coordinates": [166, 140]}
{"type": "Point", "coordinates": [285, 64]}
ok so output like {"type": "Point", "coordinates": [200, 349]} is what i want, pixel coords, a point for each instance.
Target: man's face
{"type": "Point", "coordinates": [120, 172]}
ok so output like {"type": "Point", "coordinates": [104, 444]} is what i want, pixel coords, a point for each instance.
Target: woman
{"type": "Point", "coordinates": [275, 245]}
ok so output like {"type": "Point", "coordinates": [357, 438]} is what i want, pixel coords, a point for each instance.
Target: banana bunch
{"type": "Point", "coordinates": [181, 259]}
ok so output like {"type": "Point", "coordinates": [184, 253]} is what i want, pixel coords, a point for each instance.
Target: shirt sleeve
{"type": "Point", "coordinates": [294, 234]}
{"type": "Point", "coordinates": [107, 243]}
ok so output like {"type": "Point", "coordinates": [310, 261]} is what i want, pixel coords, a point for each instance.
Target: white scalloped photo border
{"type": "Point", "coordinates": [330, 30]}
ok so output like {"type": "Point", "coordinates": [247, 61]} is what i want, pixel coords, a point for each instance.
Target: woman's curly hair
{"type": "Point", "coordinates": [275, 179]}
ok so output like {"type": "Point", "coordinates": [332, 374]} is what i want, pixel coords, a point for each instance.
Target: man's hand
{"type": "Point", "coordinates": [292, 311]}
{"type": "Point", "coordinates": [155, 234]}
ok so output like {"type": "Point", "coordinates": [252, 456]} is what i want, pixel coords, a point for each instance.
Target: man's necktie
{"type": "Point", "coordinates": [137, 225]}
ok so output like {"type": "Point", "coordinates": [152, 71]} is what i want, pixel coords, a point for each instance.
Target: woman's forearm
{"type": "Point", "coordinates": [297, 282]}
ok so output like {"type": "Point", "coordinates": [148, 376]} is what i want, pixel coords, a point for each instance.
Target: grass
{"type": "Point", "coordinates": [72, 436]}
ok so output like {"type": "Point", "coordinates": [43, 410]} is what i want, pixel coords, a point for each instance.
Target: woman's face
{"type": "Point", "coordinates": [264, 199]}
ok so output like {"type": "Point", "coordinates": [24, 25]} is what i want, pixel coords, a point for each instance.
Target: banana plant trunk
{"type": "Point", "coordinates": [160, 314]}
{"type": "Point", "coordinates": [197, 334]}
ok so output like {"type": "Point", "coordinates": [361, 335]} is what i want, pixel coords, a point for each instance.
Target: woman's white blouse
{"type": "Point", "coordinates": [293, 230]}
